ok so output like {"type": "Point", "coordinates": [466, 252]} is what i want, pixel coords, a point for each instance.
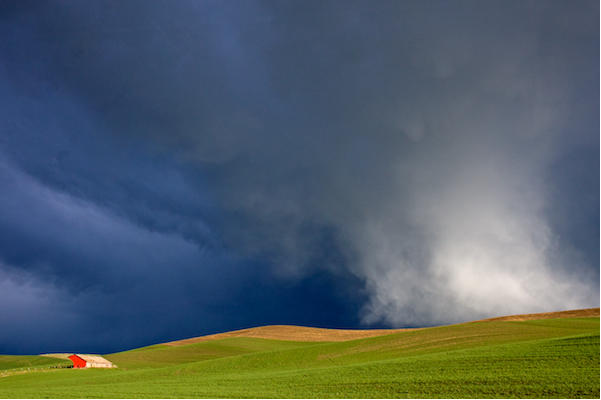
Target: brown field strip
{"type": "Point", "coordinates": [62, 356]}
{"type": "Point", "coordinates": [586, 312]}
{"type": "Point", "coordinates": [294, 333]}
{"type": "Point", "coordinates": [307, 334]}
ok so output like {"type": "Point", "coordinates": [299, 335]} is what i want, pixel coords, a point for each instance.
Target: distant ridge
{"type": "Point", "coordinates": [582, 313]}
{"type": "Point", "coordinates": [294, 333]}
{"type": "Point", "coordinates": [308, 334]}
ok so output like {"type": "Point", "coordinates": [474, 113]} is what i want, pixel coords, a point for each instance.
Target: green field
{"type": "Point", "coordinates": [552, 358]}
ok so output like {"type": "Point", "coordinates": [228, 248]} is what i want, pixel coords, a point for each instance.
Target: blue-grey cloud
{"type": "Point", "coordinates": [438, 159]}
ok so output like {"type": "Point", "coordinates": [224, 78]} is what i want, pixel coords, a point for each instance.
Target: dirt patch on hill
{"type": "Point", "coordinates": [307, 334]}
{"type": "Point", "coordinates": [587, 312]}
{"type": "Point", "coordinates": [294, 333]}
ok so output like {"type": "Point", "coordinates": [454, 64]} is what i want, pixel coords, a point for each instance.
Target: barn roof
{"type": "Point", "coordinates": [94, 359]}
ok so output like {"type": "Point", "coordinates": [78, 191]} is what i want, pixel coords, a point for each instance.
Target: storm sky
{"type": "Point", "coordinates": [176, 168]}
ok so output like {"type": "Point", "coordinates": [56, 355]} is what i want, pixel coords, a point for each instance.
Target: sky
{"type": "Point", "coordinates": [174, 169]}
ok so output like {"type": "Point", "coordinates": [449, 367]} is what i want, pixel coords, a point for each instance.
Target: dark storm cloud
{"type": "Point", "coordinates": [425, 151]}
{"type": "Point", "coordinates": [106, 246]}
{"type": "Point", "coordinates": [96, 282]}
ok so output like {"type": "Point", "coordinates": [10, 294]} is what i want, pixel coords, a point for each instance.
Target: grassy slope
{"type": "Point", "coordinates": [8, 363]}
{"type": "Point", "coordinates": [161, 355]}
{"type": "Point", "coordinates": [542, 358]}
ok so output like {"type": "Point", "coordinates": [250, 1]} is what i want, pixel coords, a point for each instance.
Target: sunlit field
{"type": "Point", "coordinates": [551, 358]}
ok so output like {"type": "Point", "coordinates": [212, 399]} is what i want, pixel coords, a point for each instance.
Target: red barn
{"type": "Point", "coordinates": [90, 361]}
{"type": "Point", "coordinates": [78, 362]}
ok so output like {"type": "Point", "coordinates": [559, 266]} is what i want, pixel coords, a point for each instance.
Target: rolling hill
{"type": "Point", "coordinates": [309, 334]}
{"type": "Point", "coordinates": [540, 356]}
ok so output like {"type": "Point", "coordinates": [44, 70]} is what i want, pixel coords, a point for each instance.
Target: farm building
{"type": "Point", "coordinates": [88, 361]}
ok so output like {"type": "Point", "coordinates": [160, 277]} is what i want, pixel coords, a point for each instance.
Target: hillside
{"type": "Point", "coordinates": [582, 313]}
{"type": "Point", "coordinates": [536, 358]}
{"type": "Point", "coordinates": [294, 333]}
{"type": "Point", "coordinates": [309, 334]}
